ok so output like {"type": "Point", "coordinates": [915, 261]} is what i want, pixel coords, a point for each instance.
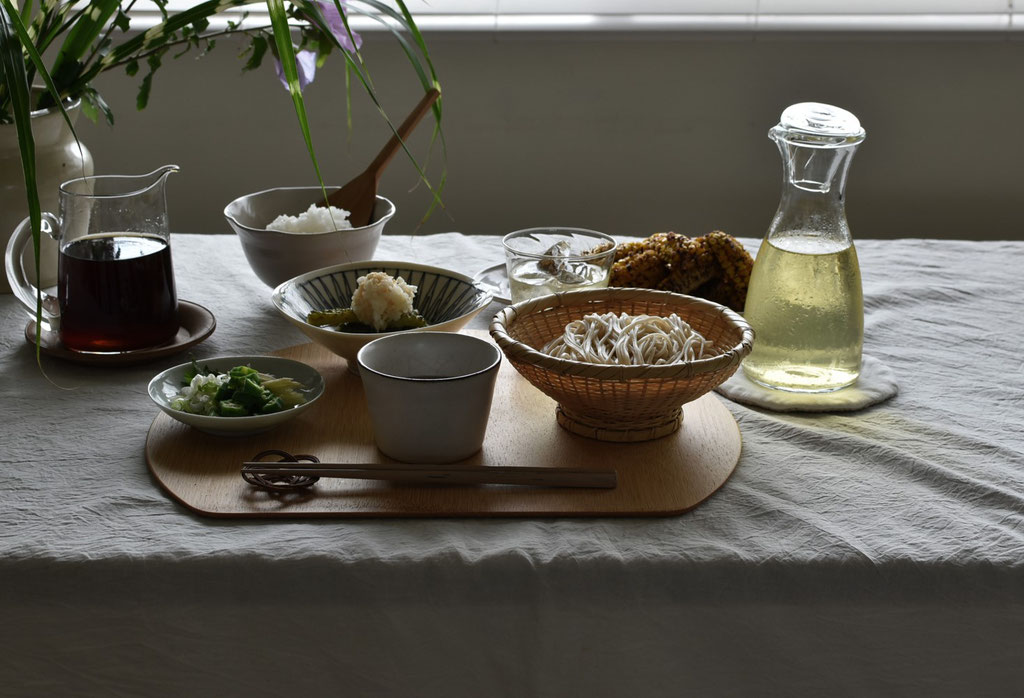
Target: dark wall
{"type": "Point", "coordinates": [625, 135]}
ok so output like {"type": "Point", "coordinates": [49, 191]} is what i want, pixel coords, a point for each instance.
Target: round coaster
{"type": "Point", "coordinates": [196, 324]}
{"type": "Point", "coordinates": [876, 383]}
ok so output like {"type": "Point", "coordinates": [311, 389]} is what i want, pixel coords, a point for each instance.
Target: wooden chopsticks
{"type": "Point", "coordinates": [447, 475]}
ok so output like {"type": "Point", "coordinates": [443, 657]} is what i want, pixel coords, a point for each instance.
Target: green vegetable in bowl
{"type": "Point", "coordinates": [345, 320]}
{"type": "Point", "coordinates": [241, 392]}
{"type": "Point", "coordinates": [333, 317]}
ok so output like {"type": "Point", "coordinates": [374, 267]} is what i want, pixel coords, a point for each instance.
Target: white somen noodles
{"type": "Point", "coordinates": [629, 340]}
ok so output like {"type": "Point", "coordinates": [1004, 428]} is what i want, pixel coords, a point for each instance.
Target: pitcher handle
{"type": "Point", "coordinates": [25, 291]}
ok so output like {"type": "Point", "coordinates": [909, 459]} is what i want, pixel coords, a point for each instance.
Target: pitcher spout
{"type": "Point", "coordinates": [158, 177]}
{"type": "Point", "coordinates": [160, 173]}
{"type": "Point", "coordinates": [118, 185]}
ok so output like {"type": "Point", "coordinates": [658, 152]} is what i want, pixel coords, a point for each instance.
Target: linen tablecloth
{"type": "Point", "coordinates": [874, 553]}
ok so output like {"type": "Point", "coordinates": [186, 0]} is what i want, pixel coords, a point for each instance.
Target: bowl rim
{"type": "Point", "coordinates": [157, 398]}
{"type": "Point", "coordinates": [587, 232]}
{"type": "Point", "coordinates": [393, 337]}
{"type": "Point", "coordinates": [249, 229]}
{"type": "Point", "coordinates": [276, 297]}
{"type": "Point", "coordinates": [521, 352]}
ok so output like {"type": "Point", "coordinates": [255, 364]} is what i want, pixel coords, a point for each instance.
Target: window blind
{"type": "Point", "coordinates": [683, 15]}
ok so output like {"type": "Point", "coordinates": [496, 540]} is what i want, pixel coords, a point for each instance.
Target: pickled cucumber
{"type": "Point", "coordinates": [333, 317]}
{"type": "Point", "coordinates": [345, 320]}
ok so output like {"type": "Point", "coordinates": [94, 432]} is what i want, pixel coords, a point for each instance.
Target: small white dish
{"type": "Point", "coordinates": [165, 387]}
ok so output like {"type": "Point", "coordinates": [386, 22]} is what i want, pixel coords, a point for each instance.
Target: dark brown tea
{"type": "Point", "coordinates": [116, 292]}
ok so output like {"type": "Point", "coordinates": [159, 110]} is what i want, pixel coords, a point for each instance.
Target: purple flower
{"type": "Point", "coordinates": [305, 62]}
{"type": "Point", "coordinates": [336, 24]}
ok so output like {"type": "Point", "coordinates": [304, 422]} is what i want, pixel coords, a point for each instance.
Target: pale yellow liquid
{"type": "Point", "coordinates": [807, 309]}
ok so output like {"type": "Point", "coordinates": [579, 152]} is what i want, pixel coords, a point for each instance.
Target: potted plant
{"type": "Point", "coordinates": [87, 38]}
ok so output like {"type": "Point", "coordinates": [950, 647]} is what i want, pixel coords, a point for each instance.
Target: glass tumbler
{"type": "Point", "coordinates": [540, 261]}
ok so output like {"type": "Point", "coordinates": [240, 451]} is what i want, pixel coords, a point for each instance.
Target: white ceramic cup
{"type": "Point", "coordinates": [429, 394]}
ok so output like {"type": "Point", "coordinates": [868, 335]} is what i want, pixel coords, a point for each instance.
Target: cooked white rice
{"type": "Point", "coordinates": [316, 219]}
{"type": "Point", "coordinates": [380, 300]}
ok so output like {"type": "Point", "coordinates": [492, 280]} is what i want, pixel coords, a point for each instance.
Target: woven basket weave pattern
{"type": "Point", "coordinates": [620, 397]}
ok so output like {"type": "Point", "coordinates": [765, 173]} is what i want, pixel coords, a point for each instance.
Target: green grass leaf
{"type": "Point", "coordinates": [37, 61]}
{"type": "Point", "coordinates": [400, 20]}
{"type": "Point", "coordinates": [15, 43]}
{"type": "Point", "coordinates": [16, 78]}
{"type": "Point", "coordinates": [355, 65]}
{"type": "Point", "coordinates": [286, 53]}
{"type": "Point", "coordinates": [404, 21]}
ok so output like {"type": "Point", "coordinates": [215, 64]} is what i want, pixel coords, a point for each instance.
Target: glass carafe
{"type": "Point", "coordinates": [805, 301]}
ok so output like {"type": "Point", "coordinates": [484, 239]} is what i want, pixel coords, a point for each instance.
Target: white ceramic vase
{"type": "Point", "coordinates": [58, 159]}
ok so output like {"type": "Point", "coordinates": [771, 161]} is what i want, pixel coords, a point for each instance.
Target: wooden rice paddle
{"type": "Point", "coordinates": [359, 196]}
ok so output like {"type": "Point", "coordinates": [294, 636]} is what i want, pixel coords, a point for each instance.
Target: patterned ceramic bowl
{"type": "Point", "coordinates": [446, 299]}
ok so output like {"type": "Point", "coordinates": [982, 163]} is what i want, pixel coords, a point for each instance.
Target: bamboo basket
{"type": "Point", "coordinates": [620, 403]}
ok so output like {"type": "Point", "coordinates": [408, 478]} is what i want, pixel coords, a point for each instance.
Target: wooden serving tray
{"type": "Point", "coordinates": [663, 477]}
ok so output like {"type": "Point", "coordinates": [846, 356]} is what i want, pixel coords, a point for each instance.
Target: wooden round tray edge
{"type": "Point", "coordinates": [215, 488]}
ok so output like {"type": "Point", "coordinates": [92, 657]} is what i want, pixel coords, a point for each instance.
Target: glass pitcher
{"type": "Point", "coordinates": [115, 282]}
{"type": "Point", "coordinates": [805, 301]}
